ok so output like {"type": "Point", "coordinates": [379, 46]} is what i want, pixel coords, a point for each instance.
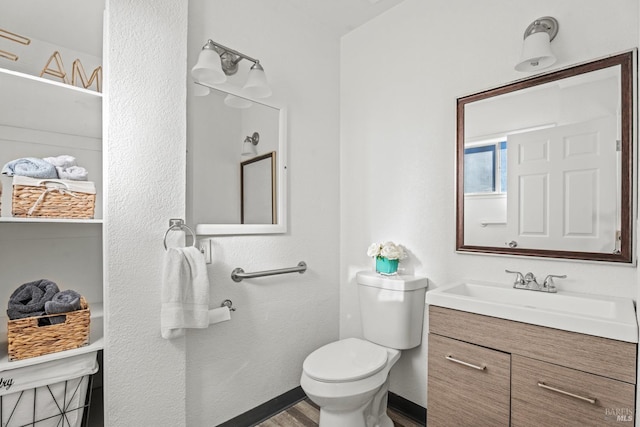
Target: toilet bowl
{"type": "Point", "coordinates": [348, 379]}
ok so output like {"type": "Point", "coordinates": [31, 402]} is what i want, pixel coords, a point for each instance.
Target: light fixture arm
{"type": "Point", "coordinates": [547, 24]}
{"type": "Point", "coordinates": [230, 57]}
{"type": "Point", "coordinates": [254, 139]}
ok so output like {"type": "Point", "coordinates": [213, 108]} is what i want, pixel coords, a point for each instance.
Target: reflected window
{"type": "Point", "coordinates": [485, 168]}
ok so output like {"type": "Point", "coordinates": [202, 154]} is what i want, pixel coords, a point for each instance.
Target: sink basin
{"type": "Point", "coordinates": [602, 316]}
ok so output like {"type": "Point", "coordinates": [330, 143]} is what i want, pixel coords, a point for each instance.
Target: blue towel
{"type": "Point", "coordinates": [31, 167]}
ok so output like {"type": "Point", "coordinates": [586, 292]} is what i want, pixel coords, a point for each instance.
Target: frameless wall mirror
{"type": "Point", "coordinates": [227, 186]}
{"type": "Point", "coordinates": [545, 165]}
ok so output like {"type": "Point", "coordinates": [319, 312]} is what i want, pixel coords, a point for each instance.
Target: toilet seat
{"type": "Point", "coordinates": [346, 360]}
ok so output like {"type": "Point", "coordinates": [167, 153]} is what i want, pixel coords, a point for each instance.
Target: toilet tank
{"type": "Point", "coordinates": [392, 308]}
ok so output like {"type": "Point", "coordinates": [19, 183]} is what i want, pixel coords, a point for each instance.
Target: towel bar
{"type": "Point", "coordinates": [238, 274]}
{"type": "Point", "coordinates": [178, 224]}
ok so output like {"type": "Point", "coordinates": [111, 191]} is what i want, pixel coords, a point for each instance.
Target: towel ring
{"type": "Point", "coordinates": [178, 224]}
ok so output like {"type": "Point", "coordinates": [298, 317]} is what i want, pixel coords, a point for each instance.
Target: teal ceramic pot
{"type": "Point", "coordinates": [386, 266]}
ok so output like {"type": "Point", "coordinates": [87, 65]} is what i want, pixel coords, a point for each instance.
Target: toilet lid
{"type": "Point", "coordinates": [346, 360]}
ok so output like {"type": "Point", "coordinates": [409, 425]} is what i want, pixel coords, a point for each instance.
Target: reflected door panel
{"type": "Point", "coordinates": [562, 187]}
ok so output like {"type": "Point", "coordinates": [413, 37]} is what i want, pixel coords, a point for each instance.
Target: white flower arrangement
{"type": "Point", "coordinates": [387, 250]}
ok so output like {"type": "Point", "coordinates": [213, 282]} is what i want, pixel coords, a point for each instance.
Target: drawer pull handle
{"type": "Point", "coordinates": [451, 359]}
{"type": "Point", "coordinates": [566, 393]}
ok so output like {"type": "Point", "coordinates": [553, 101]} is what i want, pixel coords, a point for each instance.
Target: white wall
{"type": "Point", "coordinates": [145, 142]}
{"type": "Point", "coordinates": [234, 366]}
{"type": "Point", "coordinates": [400, 77]}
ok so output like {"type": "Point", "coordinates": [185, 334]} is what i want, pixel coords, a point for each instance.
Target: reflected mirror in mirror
{"type": "Point", "coordinates": [227, 137]}
{"type": "Point", "coordinates": [258, 190]}
{"type": "Point", "coordinates": [544, 165]}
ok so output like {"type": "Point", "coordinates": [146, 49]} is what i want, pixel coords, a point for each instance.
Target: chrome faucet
{"type": "Point", "coordinates": [529, 282]}
{"type": "Point", "coordinates": [548, 285]}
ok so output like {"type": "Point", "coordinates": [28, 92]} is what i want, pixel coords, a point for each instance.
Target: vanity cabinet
{"type": "Point", "coordinates": [468, 384]}
{"type": "Point", "coordinates": [553, 377]}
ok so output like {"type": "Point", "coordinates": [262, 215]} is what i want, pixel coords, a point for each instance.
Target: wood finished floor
{"type": "Point", "coordinates": [306, 414]}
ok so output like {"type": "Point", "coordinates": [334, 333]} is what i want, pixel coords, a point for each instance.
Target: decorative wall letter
{"type": "Point", "coordinates": [14, 38]}
{"type": "Point", "coordinates": [10, 56]}
{"type": "Point", "coordinates": [78, 71]}
{"type": "Point", "coordinates": [60, 73]}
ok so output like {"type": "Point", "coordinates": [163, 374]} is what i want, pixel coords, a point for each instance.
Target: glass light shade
{"type": "Point", "coordinates": [199, 90]}
{"type": "Point", "coordinates": [237, 102]}
{"type": "Point", "coordinates": [536, 53]}
{"type": "Point", "coordinates": [208, 69]}
{"type": "Point", "coordinates": [248, 149]}
{"type": "Point", "coordinates": [257, 85]}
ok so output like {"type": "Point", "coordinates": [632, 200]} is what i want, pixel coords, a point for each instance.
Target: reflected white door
{"type": "Point", "coordinates": [562, 187]}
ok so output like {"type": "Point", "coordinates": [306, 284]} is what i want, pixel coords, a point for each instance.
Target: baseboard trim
{"type": "Point", "coordinates": [267, 410]}
{"type": "Point", "coordinates": [408, 408]}
{"type": "Point", "coordinates": [277, 404]}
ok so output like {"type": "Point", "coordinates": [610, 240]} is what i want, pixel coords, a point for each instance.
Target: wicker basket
{"type": "Point", "coordinates": [52, 199]}
{"type": "Point", "coordinates": [27, 339]}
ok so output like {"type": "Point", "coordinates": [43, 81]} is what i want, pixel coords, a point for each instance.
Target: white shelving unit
{"type": "Point", "coordinates": [42, 117]}
{"type": "Point", "coordinates": [50, 220]}
{"type": "Point", "coordinates": [49, 105]}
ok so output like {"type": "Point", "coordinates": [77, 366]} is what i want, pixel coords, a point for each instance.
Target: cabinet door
{"type": "Point", "coordinates": [544, 394]}
{"type": "Point", "coordinates": [468, 385]}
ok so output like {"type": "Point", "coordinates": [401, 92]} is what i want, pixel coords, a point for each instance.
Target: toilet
{"type": "Point", "coordinates": [349, 379]}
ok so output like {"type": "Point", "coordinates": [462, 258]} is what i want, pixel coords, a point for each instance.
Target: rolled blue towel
{"type": "Point", "coordinates": [31, 167]}
{"type": "Point", "coordinates": [62, 302]}
{"type": "Point", "coordinates": [28, 300]}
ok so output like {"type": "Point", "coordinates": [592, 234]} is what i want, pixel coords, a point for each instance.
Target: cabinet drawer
{"type": "Point", "coordinates": [468, 384]}
{"type": "Point", "coordinates": [576, 399]}
{"type": "Point", "coordinates": [584, 352]}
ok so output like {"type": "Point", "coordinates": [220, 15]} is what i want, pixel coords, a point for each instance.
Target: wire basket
{"type": "Point", "coordinates": [55, 393]}
{"type": "Point", "coordinates": [35, 336]}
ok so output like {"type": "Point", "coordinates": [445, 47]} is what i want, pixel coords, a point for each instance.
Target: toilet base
{"type": "Point", "coordinates": [371, 414]}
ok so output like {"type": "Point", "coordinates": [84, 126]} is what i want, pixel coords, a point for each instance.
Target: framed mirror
{"type": "Point", "coordinates": [258, 190]}
{"type": "Point", "coordinates": [228, 138]}
{"type": "Point", "coordinates": [545, 165]}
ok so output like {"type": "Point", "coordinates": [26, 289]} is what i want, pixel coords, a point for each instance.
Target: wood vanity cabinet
{"type": "Point", "coordinates": [464, 395]}
{"type": "Point", "coordinates": [486, 371]}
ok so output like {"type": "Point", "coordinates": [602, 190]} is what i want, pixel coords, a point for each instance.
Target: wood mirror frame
{"type": "Point", "coordinates": [624, 252]}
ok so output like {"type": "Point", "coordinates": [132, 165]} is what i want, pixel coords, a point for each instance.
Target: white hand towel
{"type": "Point", "coordinates": [185, 292]}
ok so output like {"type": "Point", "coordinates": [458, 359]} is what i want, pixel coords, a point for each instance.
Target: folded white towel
{"type": "Point", "coordinates": [63, 161]}
{"type": "Point", "coordinates": [75, 173]}
{"type": "Point", "coordinates": [184, 293]}
{"type": "Point", "coordinates": [67, 168]}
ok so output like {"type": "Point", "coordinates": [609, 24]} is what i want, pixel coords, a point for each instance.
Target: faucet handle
{"type": "Point", "coordinates": [519, 280]}
{"type": "Point", "coordinates": [548, 282]}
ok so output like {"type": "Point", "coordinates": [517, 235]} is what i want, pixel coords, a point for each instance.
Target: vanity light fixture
{"type": "Point", "coordinates": [216, 62]}
{"type": "Point", "coordinates": [199, 90]}
{"type": "Point", "coordinates": [536, 48]}
{"type": "Point", "coordinates": [249, 145]}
